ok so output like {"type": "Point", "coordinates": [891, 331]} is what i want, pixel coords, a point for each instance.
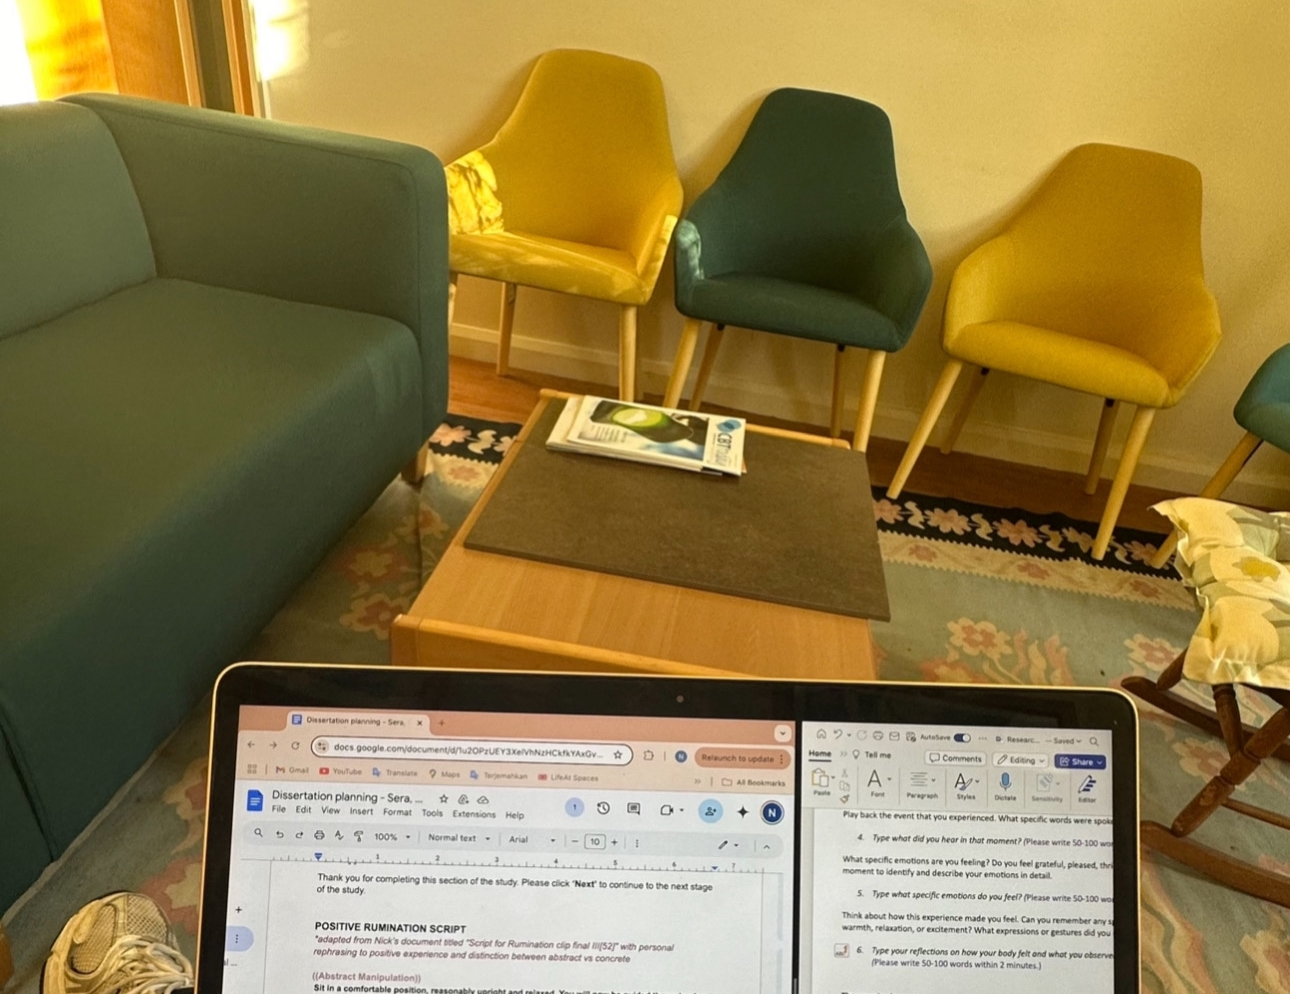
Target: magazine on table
{"type": "Point", "coordinates": [660, 436]}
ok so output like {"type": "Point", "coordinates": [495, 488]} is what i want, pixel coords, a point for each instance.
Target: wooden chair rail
{"type": "Point", "coordinates": [1248, 746]}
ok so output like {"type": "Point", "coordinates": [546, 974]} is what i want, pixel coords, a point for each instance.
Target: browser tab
{"type": "Point", "coordinates": [407, 722]}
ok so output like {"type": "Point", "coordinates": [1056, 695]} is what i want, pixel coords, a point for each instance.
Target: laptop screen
{"type": "Point", "coordinates": [465, 852]}
{"type": "Point", "coordinates": [942, 858]}
{"type": "Point", "coordinates": [468, 852]}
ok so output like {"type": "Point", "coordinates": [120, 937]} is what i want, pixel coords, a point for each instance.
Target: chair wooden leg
{"type": "Point", "coordinates": [681, 364]}
{"type": "Point", "coordinates": [1229, 717]}
{"type": "Point", "coordinates": [1218, 483]}
{"type": "Point", "coordinates": [1166, 550]}
{"type": "Point", "coordinates": [418, 467]}
{"type": "Point", "coordinates": [944, 386]}
{"type": "Point", "coordinates": [961, 416]}
{"type": "Point", "coordinates": [1157, 693]}
{"type": "Point", "coordinates": [504, 334]}
{"type": "Point", "coordinates": [1235, 771]}
{"type": "Point", "coordinates": [1246, 755]}
{"type": "Point", "coordinates": [627, 353]}
{"type": "Point", "coordinates": [1234, 873]}
{"type": "Point", "coordinates": [1173, 672]}
{"type": "Point", "coordinates": [1142, 419]}
{"type": "Point", "coordinates": [1105, 425]}
{"type": "Point", "coordinates": [839, 392]}
{"type": "Point", "coordinates": [868, 399]}
{"type": "Point", "coordinates": [452, 298]}
{"type": "Point", "coordinates": [6, 958]}
{"type": "Point", "coordinates": [715, 334]}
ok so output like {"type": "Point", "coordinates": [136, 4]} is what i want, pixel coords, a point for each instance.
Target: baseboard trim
{"type": "Point", "coordinates": [1165, 470]}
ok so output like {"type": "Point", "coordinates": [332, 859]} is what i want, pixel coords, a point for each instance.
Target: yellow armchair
{"type": "Point", "coordinates": [1096, 285]}
{"type": "Point", "coordinates": [577, 193]}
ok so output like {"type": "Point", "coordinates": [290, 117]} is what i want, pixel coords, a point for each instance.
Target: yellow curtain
{"type": "Point", "coordinates": [68, 47]}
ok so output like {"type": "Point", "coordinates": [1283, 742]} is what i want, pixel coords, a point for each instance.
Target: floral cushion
{"type": "Point", "coordinates": [1236, 559]}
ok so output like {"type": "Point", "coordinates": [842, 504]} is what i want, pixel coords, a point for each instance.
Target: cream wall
{"type": "Point", "coordinates": [984, 96]}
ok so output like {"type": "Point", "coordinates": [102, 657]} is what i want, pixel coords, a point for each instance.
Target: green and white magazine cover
{"type": "Point", "coordinates": [642, 433]}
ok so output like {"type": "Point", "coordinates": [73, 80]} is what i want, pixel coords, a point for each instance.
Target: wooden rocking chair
{"type": "Point", "coordinates": [1248, 747]}
{"type": "Point", "coordinates": [1236, 559]}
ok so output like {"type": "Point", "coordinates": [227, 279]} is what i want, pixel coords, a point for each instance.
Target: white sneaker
{"type": "Point", "coordinates": [119, 944]}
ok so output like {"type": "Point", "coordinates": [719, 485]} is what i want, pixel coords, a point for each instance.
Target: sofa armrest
{"type": "Point", "coordinates": [296, 213]}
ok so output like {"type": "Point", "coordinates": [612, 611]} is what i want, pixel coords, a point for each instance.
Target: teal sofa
{"type": "Point", "coordinates": [220, 339]}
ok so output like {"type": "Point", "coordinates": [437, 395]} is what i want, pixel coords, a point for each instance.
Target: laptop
{"type": "Point", "coordinates": [422, 831]}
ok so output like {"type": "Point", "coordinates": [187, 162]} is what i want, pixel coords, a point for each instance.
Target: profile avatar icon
{"type": "Point", "coordinates": [657, 426]}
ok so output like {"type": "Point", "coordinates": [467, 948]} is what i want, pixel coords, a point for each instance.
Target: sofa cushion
{"type": "Point", "coordinates": [187, 455]}
{"type": "Point", "coordinates": [71, 229]}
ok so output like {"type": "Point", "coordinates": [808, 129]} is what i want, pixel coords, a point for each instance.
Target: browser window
{"type": "Point", "coordinates": [468, 852]}
{"type": "Point", "coordinates": [936, 858]}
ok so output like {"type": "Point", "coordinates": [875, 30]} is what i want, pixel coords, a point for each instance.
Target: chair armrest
{"type": "Point", "coordinates": [899, 275]}
{"type": "Point", "coordinates": [982, 287]}
{"type": "Point", "coordinates": [653, 230]}
{"type": "Point", "coordinates": [1181, 333]}
{"type": "Point", "coordinates": [296, 213]}
{"type": "Point", "coordinates": [698, 242]}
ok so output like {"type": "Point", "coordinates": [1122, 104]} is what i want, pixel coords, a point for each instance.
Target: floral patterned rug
{"type": "Point", "coordinates": [978, 594]}
{"type": "Point", "coordinates": [1050, 538]}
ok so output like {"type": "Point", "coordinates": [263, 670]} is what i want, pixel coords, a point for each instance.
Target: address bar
{"type": "Point", "coordinates": [474, 750]}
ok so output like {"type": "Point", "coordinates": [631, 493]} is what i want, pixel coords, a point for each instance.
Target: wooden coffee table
{"type": "Point", "coordinates": [484, 609]}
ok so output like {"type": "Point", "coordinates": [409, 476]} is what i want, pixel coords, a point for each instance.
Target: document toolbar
{"type": "Point", "coordinates": [908, 767]}
{"type": "Point", "coordinates": [361, 839]}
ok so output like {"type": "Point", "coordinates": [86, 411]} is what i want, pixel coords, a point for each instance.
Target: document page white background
{"type": "Point", "coordinates": [979, 906]}
{"type": "Point", "coordinates": [585, 930]}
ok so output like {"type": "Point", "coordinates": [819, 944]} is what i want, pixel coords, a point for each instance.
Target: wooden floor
{"type": "Point", "coordinates": [475, 390]}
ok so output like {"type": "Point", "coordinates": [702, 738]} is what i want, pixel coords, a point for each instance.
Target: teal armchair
{"type": "Point", "coordinates": [804, 233]}
{"type": "Point", "coordinates": [1263, 410]}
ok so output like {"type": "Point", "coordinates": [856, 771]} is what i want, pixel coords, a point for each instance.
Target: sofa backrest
{"type": "Point", "coordinates": [71, 229]}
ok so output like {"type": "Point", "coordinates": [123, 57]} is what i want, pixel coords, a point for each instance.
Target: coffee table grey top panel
{"type": "Point", "coordinates": [796, 529]}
